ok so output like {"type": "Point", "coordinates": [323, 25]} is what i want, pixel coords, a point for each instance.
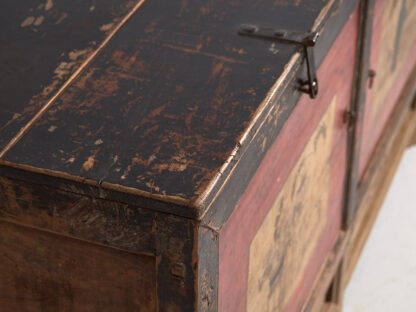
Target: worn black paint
{"type": "Point", "coordinates": [167, 118]}
{"type": "Point", "coordinates": [35, 58]}
{"type": "Point", "coordinates": [147, 105]}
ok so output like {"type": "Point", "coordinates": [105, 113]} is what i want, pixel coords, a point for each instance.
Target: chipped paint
{"type": "Point", "coordinates": [107, 27]}
{"type": "Point", "coordinates": [61, 18]}
{"type": "Point", "coordinates": [48, 5]}
{"type": "Point", "coordinates": [151, 27]}
{"type": "Point", "coordinates": [216, 69]}
{"type": "Point", "coordinates": [273, 48]}
{"type": "Point", "coordinates": [89, 163]}
{"type": "Point", "coordinates": [52, 128]}
{"type": "Point", "coordinates": [39, 21]}
{"type": "Point", "coordinates": [196, 51]}
{"type": "Point", "coordinates": [48, 89]}
{"type": "Point", "coordinates": [44, 82]}
{"type": "Point", "coordinates": [74, 55]}
{"type": "Point", "coordinates": [265, 108]}
{"type": "Point", "coordinates": [28, 21]}
{"type": "Point", "coordinates": [225, 102]}
{"type": "Point", "coordinates": [152, 186]}
{"type": "Point", "coordinates": [63, 70]}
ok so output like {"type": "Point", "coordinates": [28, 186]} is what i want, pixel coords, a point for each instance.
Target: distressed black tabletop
{"type": "Point", "coordinates": [161, 109]}
{"type": "Point", "coordinates": [42, 43]}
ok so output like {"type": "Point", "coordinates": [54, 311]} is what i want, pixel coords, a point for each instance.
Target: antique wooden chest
{"type": "Point", "coordinates": [196, 156]}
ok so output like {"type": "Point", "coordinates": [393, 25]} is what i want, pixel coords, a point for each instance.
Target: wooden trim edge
{"type": "Point", "coordinates": [316, 301]}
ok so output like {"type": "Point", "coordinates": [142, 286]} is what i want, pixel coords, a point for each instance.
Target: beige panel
{"type": "Point", "coordinates": [398, 36]}
{"type": "Point", "coordinates": [289, 233]}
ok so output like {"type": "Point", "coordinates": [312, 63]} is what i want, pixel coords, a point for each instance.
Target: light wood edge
{"type": "Point", "coordinates": [337, 291]}
{"type": "Point", "coordinates": [413, 107]}
{"type": "Point", "coordinates": [413, 140]}
{"type": "Point", "coordinates": [331, 307]}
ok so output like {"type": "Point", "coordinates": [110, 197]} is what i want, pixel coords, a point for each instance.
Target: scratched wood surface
{"type": "Point", "coordinates": [167, 101]}
{"type": "Point", "coordinates": [393, 55]}
{"type": "Point", "coordinates": [43, 42]}
{"type": "Point", "coordinates": [293, 281]}
{"type": "Point", "coordinates": [45, 272]}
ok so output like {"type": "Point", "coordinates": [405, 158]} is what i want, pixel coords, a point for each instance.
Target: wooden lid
{"type": "Point", "coordinates": [161, 109]}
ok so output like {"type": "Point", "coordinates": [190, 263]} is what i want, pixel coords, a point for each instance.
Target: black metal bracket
{"type": "Point", "coordinates": [307, 40]}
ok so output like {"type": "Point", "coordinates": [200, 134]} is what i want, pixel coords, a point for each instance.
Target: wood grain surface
{"type": "Point", "coordinates": [168, 238]}
{"type": "Point", "coordinates": [45, 272]}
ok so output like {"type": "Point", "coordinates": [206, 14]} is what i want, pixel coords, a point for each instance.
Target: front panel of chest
{"type": "Point", "coordinates": [274, 244]}
{"type": "Point", "coordinates": [392, 59]}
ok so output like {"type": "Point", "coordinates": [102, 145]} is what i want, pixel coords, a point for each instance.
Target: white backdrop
{"type": "Point", "coordinates": [385, 277]}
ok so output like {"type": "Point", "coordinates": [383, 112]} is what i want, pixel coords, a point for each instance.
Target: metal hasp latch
{"type": "Point", "coordinates": [305, 39]}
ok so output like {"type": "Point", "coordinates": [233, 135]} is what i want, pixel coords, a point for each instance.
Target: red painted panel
{"type": "Point", "coordinates": [393, 56]}
{"type": "Point", "coordinates": [335, 76]}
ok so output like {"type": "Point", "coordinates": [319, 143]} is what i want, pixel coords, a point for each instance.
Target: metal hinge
{"type": "Point", "coordinates": [305, 39]}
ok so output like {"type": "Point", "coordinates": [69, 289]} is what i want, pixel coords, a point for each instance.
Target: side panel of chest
{"type": "Point", "coordinates": [62, 251]}
{"type": "Point", "coordinates": [47, 272]}
{"type": "Point", "coordinates": [393, 56]}
{"type": "Point", "coordinates": [274, 244]}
